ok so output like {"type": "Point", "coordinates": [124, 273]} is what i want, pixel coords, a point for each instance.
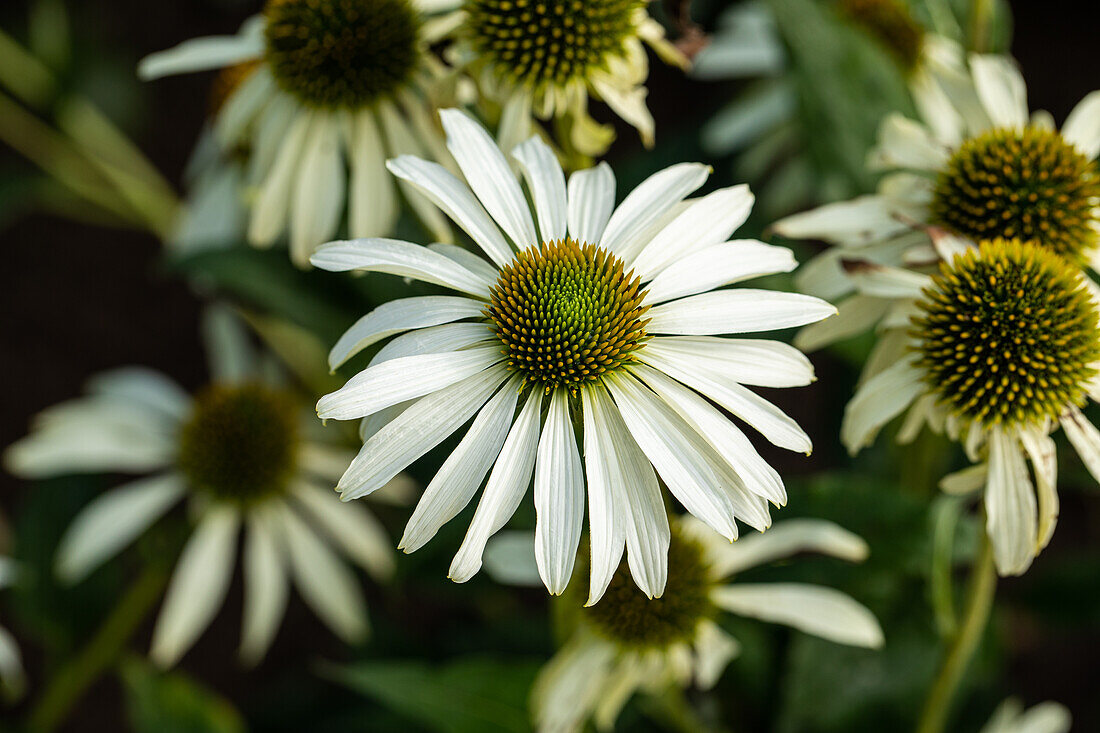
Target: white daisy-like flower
{"type": "Point", "coordinates": [1046, 717]}
{"type": "Point", "coordinates": [977, 166]}
{"type": "Point", "coordinates": [1003, 347]}
{"type": "Point", "coordinates": [242, 452]}
{"type": "Point", "coordinates": [598, 318]}
{"type": "Point", "coordinates": [627, 643]}
{"type": "Point", "coordinates": [340, 86]}
{"type": "Point", "coordinates": [12, 680]}
{"type": "Point", "coordinates": [544, 60]}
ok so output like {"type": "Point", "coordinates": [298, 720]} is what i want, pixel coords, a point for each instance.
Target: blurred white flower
{"type": "Point", "coordinates": [243, 451]}
{"type": "Point", "coordinates": [627, 643]}
{"type": "Point", "coordinates": [1046, 717]}
{"type": "Point", "coordinates": [12, 680]}
{"type": "Point", "coordinates": [340, 86]}
{"type": "Point", "coordinates": [602, 317]}
{"type": "Point", "coordinates": [544, 60]}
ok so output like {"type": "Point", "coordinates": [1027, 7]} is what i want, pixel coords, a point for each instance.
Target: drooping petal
{"type": "Point", "coordinates": [1085, 439]}
{"type": "Point", "coordinates": [372, 198]}
{"type": "Point", "coordinates": [815, 610]}
{"type": "Point", "coordinates": [503, 492]}
{"type": "Point", "coordinates": [559, 496]}
{"type": "Point", "coordinates": [879, 400]}
{"type": "Point", "coordinates": [198, 587]}
{"type": "Point", "coordinates": [456, 481]}
{"type": "Point", "coordinates": [351, 526]}
{"type": "Point", "coordinates": [273, 203]}
{"type": "Point", "coordinates": [111, 521]}
{"type": "Point", "coordinates": [1043, 455]}
{"type": "Point", "coordinates": [1001, 89]}
{"type": "Point", "coordinates": [319, 189]}
{"type": "Point", "coordinates": [714, 649]}
{"type": "Point", "coordinates": [202, 54]}
{"type": "Point", "coordinates": [1082, 127]}
{"type": "Point", "coordinates": [416, 431]}
{"type": "Point", "coordinates": [856, 222]}
{"type": "Point", "coordinates": [265, 587]}
{"type": "Point", "coordinates": [1011, 514]}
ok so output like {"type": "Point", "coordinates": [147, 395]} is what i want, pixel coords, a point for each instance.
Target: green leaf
{"type": "Point", "coordinates": [469, 695]}
{"type": "Point", "coordinates": [173, 703]}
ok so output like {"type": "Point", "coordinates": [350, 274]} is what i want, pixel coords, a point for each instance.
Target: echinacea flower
{"type": "Point", "coordinates": [340, 86]}
{"type": "Point", "coordinates": [976, 167]}
{"type": "Point", "coordinates": [1003, 348]}
{"type": "Point", "coordinates": [11, 664]}
{"type": "Point", "coordinates": [545, 59]}
{"type": "Point", "coordinates": [627, 643]}
{"type": "Point", "coordinates": [599, 318]}
{"type": "Point", "coordinates": [242, 452]}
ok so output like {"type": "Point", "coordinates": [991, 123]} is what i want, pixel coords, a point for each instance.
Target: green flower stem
{"type": "Point", "coordinates": [981, 22]}
{"type": "Point", "coordinates": [945, 519]}
{"type": "Point", "coordinates": [75, 676]}
{"type": "Point", "coordinates": [979, 603]}
{"type": "Point", "coordinates": [672, 710]}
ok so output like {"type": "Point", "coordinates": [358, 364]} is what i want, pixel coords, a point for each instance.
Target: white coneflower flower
{"type": "Point", "coordinates": [11, 664]}
{"type": "Point", "coordinates": [598, 318]}
{"type": "Point", "coordinates": [242, 452]}
{"type": "Point", "coordinates": [627, 643]}
{"type": "Point", "coordinates": [976, 167]}
{"type": "Point", "coordinates": [544, 59]}
{"type": "Point", "coordinates": [1046, 717]}
{"type": "Point", "coordinates": [1003, 347]}
{"type": "Point", "coordinates": [340, 86]}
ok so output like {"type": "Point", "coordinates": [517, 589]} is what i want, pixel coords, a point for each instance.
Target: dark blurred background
{"type": "Point", "coordinates": [78, 299]}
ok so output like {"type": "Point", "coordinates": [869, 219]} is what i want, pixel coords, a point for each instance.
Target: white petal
{"type": "Point", "coordinates": [1082, 127]}
{"type": "Point", "coordinates": [570, 686]}
{"type": "Point", "coordinates": [111, 521]}
{"type": "Point", "coordinates": [510, 558]}
{"type": "Point", "coordinates": [351, 526]}
{"type": "Point", "coordinates": [676, 451]}
{"type": "Point", "coordinates": [627, 478]}
{"type": "Point", "coordinates": [372, 200]}
{"type": "Point", "coordinates": [416, 431]}
{"type": "Point", "coordinates": [737, 311]}
{"type": "Point", "coordinates": [242, 107]}
{"type": "Point", "coordinates": [718, 265]}
{"type": "Point", "coordinates": [606, 530]}
{"type": "Point", "coordinates": [143, 387]}
{"type": "Point", "coordinates": [265, 587]}
{"type": "Point", "coordinates": [723, 436]}
{"type": "Point", "coordinates": [1001, 89]}
{"type": "Point", "coordinates": [472, 262]}
{"type": "Point", "coordinates": [628, 103]}
{"type": "Point", "coordinates": [401, 315]}
{"type": "Point", "coordinates": [905, 143]}
{"type": "Point", "coordinates": [516, 123]}
{"type": "Point", "coordinates": [1043, 455]}
{"type": "Point", "coordinates": [785, 539]}
{"type": "Point", "coordinates": [434, 340]}
{"type": "Point", "coordinates": [503, 492]}
{"type": "Point", "coordinates": [456, 481]}
{"type": "Point", "coordinates": [451, 195]}
{"type": "Point", "coordinates": [198, 587]}
{"type": "Point", "coordinates": [318, 197]}
{"type": "Point", "coordinates": [591, 199]}
{"type": "Point", "coordinates": [547, 183]}
{"type": "Point", "coordinates": [859, 221]}
{"type": "Point", "coordinates": [854, 315]}
{"type": "Point", "coordinates": [326, 584]}
{"type": "Point", "coordinates": [706, 222]}
{"type": "Point", "coordinates": [878, 401]}
{"type": "Point", "coordinates": [714, 649]}
{"type": "Point", "coordinates": [396, 257]}
{"type": "Point", "coordinates": [760, 362]}
{"type": "Point", "coordinates": [772, 423]}
{"type": "Point", "coordinates": [936, 108]}
{"type": "Point", "coordinates": [1085, 439]}
{"type": "Point", "coordinates": [201, 54]}
{"type": "Point", "coordinates": [1011, 515]}
{"type": "Point", "coordinates": [489, 175]}
{"type": "Point", "coordinates": [650, 200]}
{"type": "Point", "coordinates": [269, 213]}
{"type": "Point", "coordinates": [559, 496]}
{"type": "Point", "coordinates": [966, 481]}
{"type": "Point", "coordinates": [822, 612]}
{"type": "Point", "coordinates": [228, 351]}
